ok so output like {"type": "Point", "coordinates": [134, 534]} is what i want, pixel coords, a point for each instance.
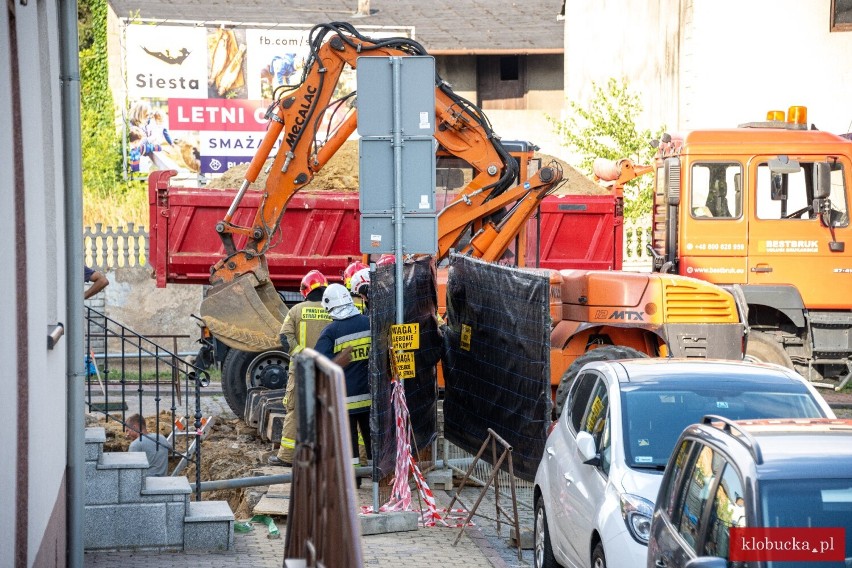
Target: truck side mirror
{"type": "Point", "coordinates": [822, 189]}
{"type": "Point", "coordinates": [671, 171]}
{"type": "Point", "coordinates": [779, 191]}
{"type": "Point", "coordinates": [779, 167]}
{"type": "Point", "coordinates": [822, 180]}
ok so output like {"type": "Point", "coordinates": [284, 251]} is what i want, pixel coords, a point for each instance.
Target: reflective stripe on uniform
{"type": "Point", "coordinates": [359, 401]}
{"type": "Point", "coordinates": [288, 443]}
{"type": "Point", "coordinates": [303, 334]}
{"type": "Point", "coordinates": [359, 342]}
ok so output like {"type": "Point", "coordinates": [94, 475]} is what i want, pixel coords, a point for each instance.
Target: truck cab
{"type": "Point", "coordinates": [765, 208]}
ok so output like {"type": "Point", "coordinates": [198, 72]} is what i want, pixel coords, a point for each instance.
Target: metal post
{"type": "Point", "coordinates": [198, 380]}
{"type": "Point", "coordinates": [73, 215]}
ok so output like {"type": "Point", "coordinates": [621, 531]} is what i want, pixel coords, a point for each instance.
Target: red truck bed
{"type": "Point", "coordinates": [320, 230]}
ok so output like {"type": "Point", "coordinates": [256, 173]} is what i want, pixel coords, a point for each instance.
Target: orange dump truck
{"type": "Point", "coordinates": [765, 208]}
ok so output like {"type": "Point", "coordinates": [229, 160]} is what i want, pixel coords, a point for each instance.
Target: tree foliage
{"type": "Point", "coordinates": [101, 144]}
{"type": "Point", "coordinates": [606, 128]}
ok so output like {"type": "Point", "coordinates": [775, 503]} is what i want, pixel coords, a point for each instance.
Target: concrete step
{"type": "Point", "coordinates": [95, 439]}
{"type": "Point", "coordinates": [115, 478]}
{"type": "Point", "coordinates": [166, 490]}
{"type": "Point", "coordinates": [134, 526]}
{"type": "Point", "coordinates": [208, 525]}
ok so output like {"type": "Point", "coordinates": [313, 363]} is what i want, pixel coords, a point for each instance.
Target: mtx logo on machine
{"type": "Point", "coordinates": [624, 315]}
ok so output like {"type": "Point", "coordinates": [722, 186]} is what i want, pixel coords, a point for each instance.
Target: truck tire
{"type": "Point", "coordinates": [764, 348]}
{"type": "Point", "coordinates": [605, 353]}
{"type": "Point", "coordinates": [242, 369]}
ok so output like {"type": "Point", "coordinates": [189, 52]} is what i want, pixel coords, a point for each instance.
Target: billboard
{"type": "Point", "coordinates": [198, 95]}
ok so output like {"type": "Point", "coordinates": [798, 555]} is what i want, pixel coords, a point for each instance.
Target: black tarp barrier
{"type": "Point", "coordinates": [497, 366]}
{"type": "Point", "coordinates": [421, 391]}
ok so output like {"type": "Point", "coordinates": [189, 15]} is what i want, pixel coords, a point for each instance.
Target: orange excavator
{"type": "Point", "coordinates": [243, 309]}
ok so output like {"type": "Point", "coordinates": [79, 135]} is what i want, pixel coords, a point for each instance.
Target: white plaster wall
{"type": "Point", "coordinates": [8, 301]}
{"type": "Point", "coordinates": [750, 57]}
{"type": "Point", "coordinates": [713, 63]}
{"type": "Point", "coordinates": [633, 39]}
{"type": "Point", "coordinates": [45, 277]}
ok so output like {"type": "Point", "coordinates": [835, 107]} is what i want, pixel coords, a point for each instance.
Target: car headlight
{"type": "Point", "coordinates": [637, 512]}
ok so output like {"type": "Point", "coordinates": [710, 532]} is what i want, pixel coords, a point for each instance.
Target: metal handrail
{"type": "Point", "coordinates": [133, 347]}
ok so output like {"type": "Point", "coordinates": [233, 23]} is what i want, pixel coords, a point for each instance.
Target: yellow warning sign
{"type": "Point", "coordinates": [405, 336]}
{"type": "Point", "coordinates": [465, 337]}
{"type": "Point", "coordinates": [405, 364]}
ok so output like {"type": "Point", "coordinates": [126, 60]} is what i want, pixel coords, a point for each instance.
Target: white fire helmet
{"type": "Point", "coordinates": [336, 295]}
{"type": "Point", "coordinates": [359, 279]}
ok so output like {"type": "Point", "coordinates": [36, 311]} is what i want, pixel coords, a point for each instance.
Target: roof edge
{"type": "Point", "coordinates": [475, 51]}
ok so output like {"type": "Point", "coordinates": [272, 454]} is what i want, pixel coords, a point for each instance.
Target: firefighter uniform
{"type": "Point", "coordinates": [352, 332]}
{"type": "Point", "coordinates": [302, 327]}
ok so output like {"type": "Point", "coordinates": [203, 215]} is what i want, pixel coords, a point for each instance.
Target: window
{"type": "Point", "coordinates": [696, 495]}
{"type": "Point", "coordinates": [681, 463]}
{"type": "Point", "coordinates": [579, 398]}
{"type": "Point", "coordinates": [728, 511]}
{"type": "Point", "coordinates": [509, 68]}
{"type": "Point", "coordinates": [841, 15]}
{"type": "Point", "coordinates": [790, 196]}
{"type": "Point", "coordinates": [716, 191]}
{"type": "Point", "coordinates": [596, 422]}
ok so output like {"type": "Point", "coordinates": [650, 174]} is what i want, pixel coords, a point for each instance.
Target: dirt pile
{"type": "Point", "coordinates": [341, 174]}
{"type": "Point", "coordinates": [231, 450]}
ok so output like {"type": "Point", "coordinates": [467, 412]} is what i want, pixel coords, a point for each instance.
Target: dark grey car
{"type": "Point", "coordinates": [751, 474]}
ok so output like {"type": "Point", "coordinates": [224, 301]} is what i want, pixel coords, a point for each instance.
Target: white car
{"type": "Point", "coordinates": [604, 459]}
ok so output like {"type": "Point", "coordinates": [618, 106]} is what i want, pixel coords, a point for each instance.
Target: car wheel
{"type": "Point", "coordinates": [763, 348]}
{"type": "Point", "coordinates": [605, 353]}
{"type": "Point", "coordinates": [543, 552]}
{"type": "Point", "coordinates": [598, 557]}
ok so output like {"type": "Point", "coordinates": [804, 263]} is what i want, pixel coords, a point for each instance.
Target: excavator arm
{"type": "Point", "coordinates": [243, 309]}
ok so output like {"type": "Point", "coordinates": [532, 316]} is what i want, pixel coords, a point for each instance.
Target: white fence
{"type": "Point", "coordinates": [108, 248]}
{"type": "Point", "coordinates": [637, 236]}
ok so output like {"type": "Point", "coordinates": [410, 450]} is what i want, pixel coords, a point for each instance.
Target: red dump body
{"type": "Point", "coordinates": [320, 230]}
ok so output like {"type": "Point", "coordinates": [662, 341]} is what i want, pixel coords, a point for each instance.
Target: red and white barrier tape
{"type": "Point", "coordinates": [400, 499]}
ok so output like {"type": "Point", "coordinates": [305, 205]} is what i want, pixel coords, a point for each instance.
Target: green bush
{"type": "Point", "coordinates": [607, 129]}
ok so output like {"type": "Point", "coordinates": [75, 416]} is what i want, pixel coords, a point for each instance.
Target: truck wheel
{"type": "Point", "coordinates": [764, 348]}
{"type": "Point", "coordinates": [605, 353]}
{"type": "Point", "coordinates": [242, 369]}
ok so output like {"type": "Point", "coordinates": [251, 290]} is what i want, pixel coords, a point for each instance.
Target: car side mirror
{"type": "Point", "coordinates": [707, 562]}
{"type": "Point", "coordinates": [586, 445]}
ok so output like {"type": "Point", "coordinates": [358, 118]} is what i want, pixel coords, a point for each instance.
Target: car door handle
{"type": "Point", "coordinates": [761, 268]}
{"type": "Point", "coordinates": [551, 451]}
{"type": "Point", "coordinates": [568, 479]}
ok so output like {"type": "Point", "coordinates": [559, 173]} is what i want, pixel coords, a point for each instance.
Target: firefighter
{"type": "Point", "coordinates": [359, 286]}
{"type": "Point", "coordinates": [346, 340]}
{"type": "Point", "coordinates": [302, 327]}
{"type": "Point", "coordinates": [347, 281]}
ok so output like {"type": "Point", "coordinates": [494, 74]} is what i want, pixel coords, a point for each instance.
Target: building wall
{"type": "Point", "coordinates": [32, 476]}
{"type": "Point", "coordinates": [708, 64]}
{"type": "Point", "coordinates": [545, 98]}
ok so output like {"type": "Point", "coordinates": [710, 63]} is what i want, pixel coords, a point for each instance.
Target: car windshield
{"type": "Point", "coordinates": [810, 502]}
{"type": "Point", "coordinates": [655, 413]}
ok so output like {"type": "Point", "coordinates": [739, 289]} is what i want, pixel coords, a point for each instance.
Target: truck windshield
{"type": "Point", "coordinates": [654, 414]}
{"type": "Point", "coordinates": [811, 502]}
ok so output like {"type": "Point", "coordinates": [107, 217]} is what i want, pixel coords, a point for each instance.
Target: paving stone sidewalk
{"type": "Point", "coordinates": [430, 546]}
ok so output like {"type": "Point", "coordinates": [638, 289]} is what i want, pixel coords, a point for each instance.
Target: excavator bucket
{"type": "Point", "coordinates": [245, 314]}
